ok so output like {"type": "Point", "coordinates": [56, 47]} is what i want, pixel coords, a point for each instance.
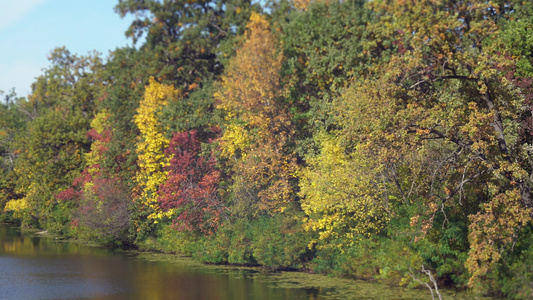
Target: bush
{"type": "Point", "coordinates": [103, 214]}
{"type": "Point", "coordinates": [280, 242]}
{"type": "Point", "coordinates": [518, 284]}
{"type": "Point", "coordinates": [214, 249]}
{"type": "Point", "coordinates": [277, 242]}
{"type": "Point", "coordinates": [230, 244]}
{"type": "Point", "coordinates": [517, 276]}
{"type": "Point", "coordinates": [59, 218]}
{"type": "Point", "coordinates": [169, 240]}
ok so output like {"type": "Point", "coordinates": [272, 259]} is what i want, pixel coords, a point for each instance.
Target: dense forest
{"type": "Point", "coordinates": [387, 140]}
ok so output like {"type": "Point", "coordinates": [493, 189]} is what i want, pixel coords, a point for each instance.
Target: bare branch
{"type": "Point", "coordinates": [435, 289]}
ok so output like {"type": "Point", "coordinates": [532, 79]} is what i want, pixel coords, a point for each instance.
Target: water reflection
{"type": "Point", "coordinates": [34, 267]}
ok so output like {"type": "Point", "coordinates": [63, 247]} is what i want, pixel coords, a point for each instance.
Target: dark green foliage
{"type": "Point", "coordinates": [216, 249]}
{"type": "Point", "coordinates": [280, 242]}
{"type": "Point", "coordinates": [166, 239]}
{"type": "Point", "coordinates": [59, 218]}
{"type": "Point", "coordinates": [322, 48]}
{"type": "Point", "coordinates": [277, 242]}
{"type": "Point", "coordinates": [120, 99]}
{"type": "Point", "coordinates": [445, 248]}
{"type": "Point", "coordinates": [182, 37]}
{"type": "Point", "coordinates": [383, 259]}
{"type": "Point", "coordinates": [518, 34]}
{"type": "Point", "coordinates": [517, 272]}
{"type": "Point", "coordinates": [142, 230]}
{"type": "Point", "coordinates": [195, 111]}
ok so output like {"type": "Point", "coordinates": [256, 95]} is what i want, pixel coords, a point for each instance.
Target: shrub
{"type": "Point", "coordinates": [280, 242]}
{"type": "Point", "coordinates": [103, 213]}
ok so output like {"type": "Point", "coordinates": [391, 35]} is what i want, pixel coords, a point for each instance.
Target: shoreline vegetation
{"type": "Point", "coordinates": [384, 139]}
{"type": "Point", "coordinates": [336, 287]}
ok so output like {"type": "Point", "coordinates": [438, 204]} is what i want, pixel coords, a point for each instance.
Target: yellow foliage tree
{"type": "Point", "coordinates": [342, 193]}
{"type": "Point", "coordinates": [153, 142]}
{"type": "Point", "coordinates": [251, 85]}
{"type": "Point", "coordinates": [495, 225]}
{"type": "Point", "coordinates": [257, 125]}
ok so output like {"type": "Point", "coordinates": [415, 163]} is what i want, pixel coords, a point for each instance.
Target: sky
{"type": "Point", "coordinates": [31, 29]}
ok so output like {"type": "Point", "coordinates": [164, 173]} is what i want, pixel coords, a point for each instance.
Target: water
{"type": "Point", "coordinates": [38, 267]}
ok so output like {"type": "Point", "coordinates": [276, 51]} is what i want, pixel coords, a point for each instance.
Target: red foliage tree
{"type": "Point", "coordinates": [191, 188]}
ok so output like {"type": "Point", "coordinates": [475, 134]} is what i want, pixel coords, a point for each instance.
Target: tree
{"type": "Point", "coordinates": [443, 120]}
{"type": "Point", "coordinates": [258, 125]}
{"type": "Point", "coordinates": [11, 122]}
{"type": "Point", "coordinates": [322, 47]}
{"type": "Point", "coordinates": [190, 193]}
{"type": "Point", "coordinates": [182, 38]}
{"type": "Point", "coordinates": [152, 160]}
{"type": "Point", "coordinates": [103, 211]}
{"type": "Point", "coordinates": [342, 194]}
{"type": "Point", "coordinates": [52, 147]}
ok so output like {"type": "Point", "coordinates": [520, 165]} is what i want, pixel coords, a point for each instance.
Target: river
{"type": "Point", "coordinates": [40, 267]}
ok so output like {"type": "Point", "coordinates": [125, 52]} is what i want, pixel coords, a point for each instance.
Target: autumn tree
{"type": "Point", "coordinates": [342, 193]}
{"type": "Point", "coordinates": [152, 160]}
{"type": "Point", "coordinates": [443, 120]}
{"type": "Point", "coordinates": [104, 210]}
{"type": "Point", "coordinates": [178, 43]}
{"type": "Point", "coordinates": [190, 194]}
{"type": "Point", "coordinates": [100, 199]}
{"type": "Point", "coordinates": [258, 126]}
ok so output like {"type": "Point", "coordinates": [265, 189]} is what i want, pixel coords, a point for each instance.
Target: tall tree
{"type": "Point", "coordinates": [323, 48]}
{"type": "Point", "coordinates": [182, 38]}
{"type": "Point", "coordinates": [190, 192]}
{"type": "Point", "coordinates": [152, 160]}
{"type": "Point", "coordinates": [258, 124]}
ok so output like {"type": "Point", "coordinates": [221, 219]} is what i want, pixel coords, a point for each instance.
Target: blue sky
{"type": "Point", "coordinates": [31, 29]}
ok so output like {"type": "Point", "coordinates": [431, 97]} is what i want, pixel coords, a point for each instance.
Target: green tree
{"type": "Point", "coordinates": [182, 38]}
{"type": "Point", "coordinates": [52, 147]}
{"type": "Point", "coordinates": [11, 122]}
{"type": "Point", "coordinates": [323, 48]}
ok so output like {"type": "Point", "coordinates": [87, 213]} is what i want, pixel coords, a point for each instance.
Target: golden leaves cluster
{"type": "Point", "coordinates": [153, 141]}
{"type": "Point", "coordinates": [342, 193]}
{"type": "Point", "coordinates": [257, 125]}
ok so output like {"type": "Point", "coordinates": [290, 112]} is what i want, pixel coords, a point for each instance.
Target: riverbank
{"type": "Point", "coordinates": [335, 287]}
{"type": "Point", "coordinates": [338, 288]}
